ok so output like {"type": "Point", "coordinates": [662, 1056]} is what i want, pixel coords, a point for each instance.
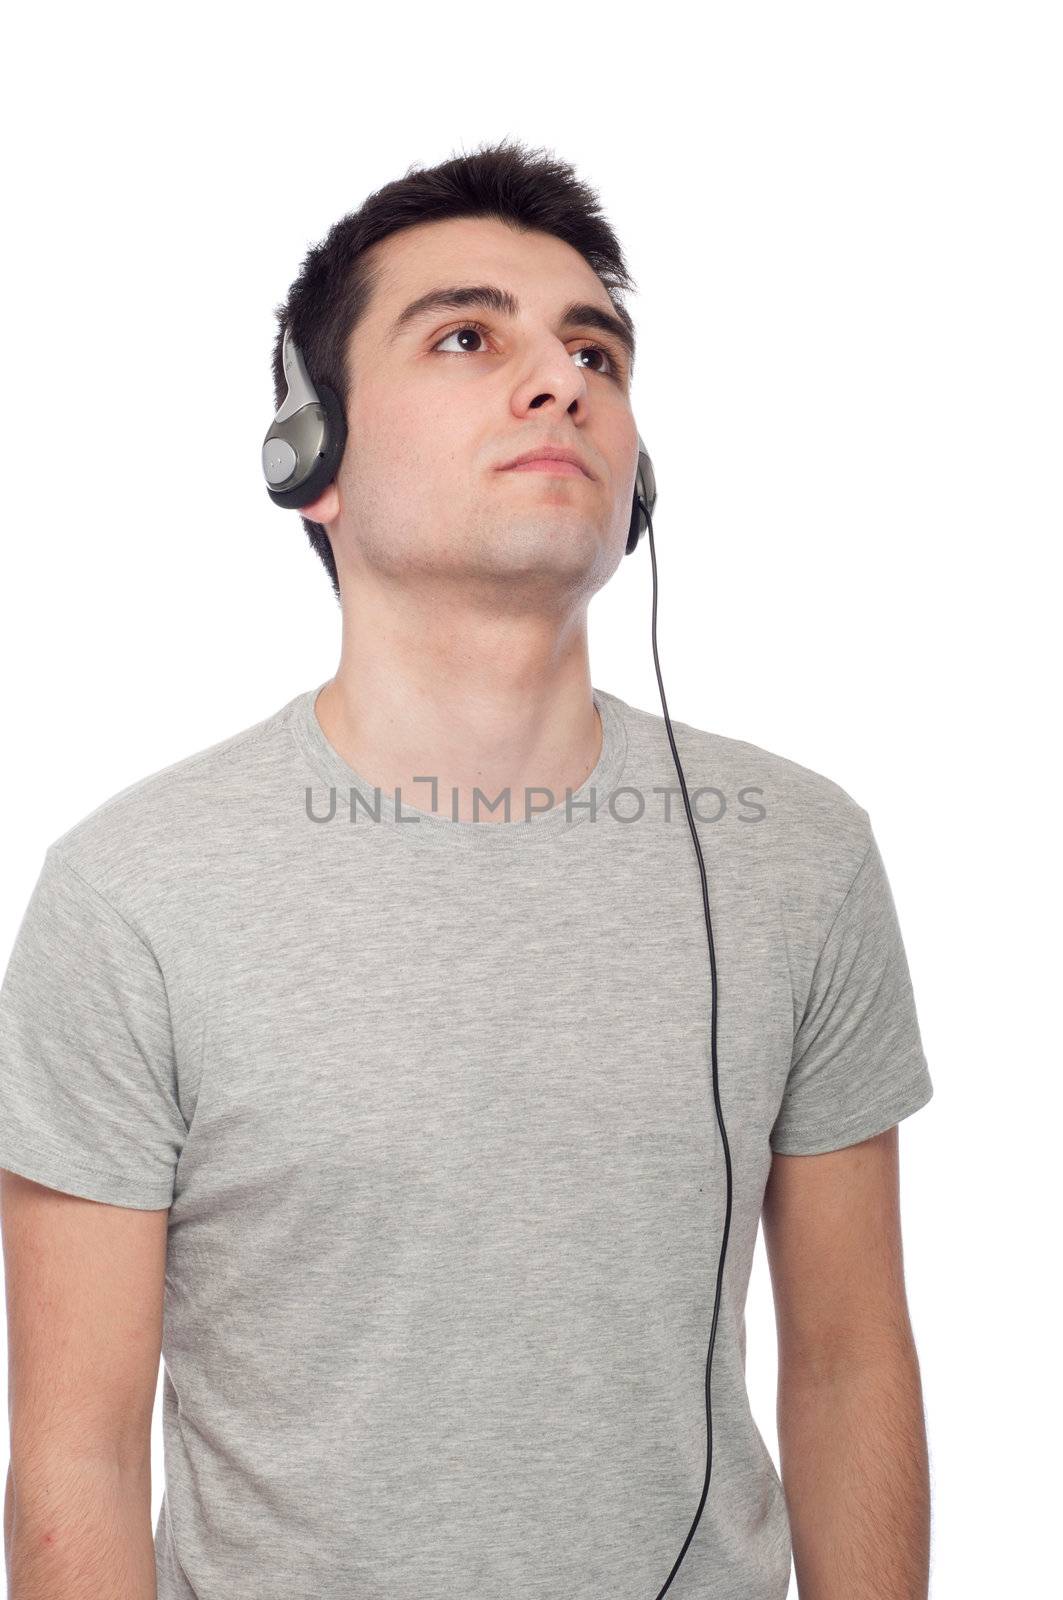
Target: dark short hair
{"type": "Point", "coordinates": [530, 189]}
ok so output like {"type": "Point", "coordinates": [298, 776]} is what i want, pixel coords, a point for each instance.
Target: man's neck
{"type": "Point", "coordinates": [496, 703]}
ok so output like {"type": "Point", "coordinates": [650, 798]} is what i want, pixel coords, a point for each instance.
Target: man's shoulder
{"type": "Point", "coordinates": [795, 814]}
{"type": "Point", "coordinates": [176, 819]}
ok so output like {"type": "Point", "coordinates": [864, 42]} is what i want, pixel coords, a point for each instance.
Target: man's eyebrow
{"type": "Point", "coordinates": [486, 297]}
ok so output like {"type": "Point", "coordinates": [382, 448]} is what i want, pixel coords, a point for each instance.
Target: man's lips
{"type": "Point", "coordinates": [559, 469]}
{"type": "Point", "coordinates": [560, 459]}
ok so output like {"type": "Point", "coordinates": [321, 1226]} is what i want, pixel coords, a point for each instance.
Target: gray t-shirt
{"type": "Point", "coordinates": [430, 1104]}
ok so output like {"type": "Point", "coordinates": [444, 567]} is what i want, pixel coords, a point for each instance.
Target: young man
{"type": "Point", "coordinates": [387, 1113]}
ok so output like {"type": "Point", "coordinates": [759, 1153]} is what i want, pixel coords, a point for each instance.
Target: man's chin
{"type": "Point", "coordinates": [543, 546]}
{"type": "Point", "coordinates": [539, 557]}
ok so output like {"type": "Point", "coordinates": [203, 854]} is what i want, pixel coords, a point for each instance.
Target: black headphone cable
{"type": "Point", "coordinates": [715, 1071]}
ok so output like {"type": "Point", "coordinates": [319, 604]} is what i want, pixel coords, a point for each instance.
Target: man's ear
{"type": "Point", "coordinates": [325, 508]}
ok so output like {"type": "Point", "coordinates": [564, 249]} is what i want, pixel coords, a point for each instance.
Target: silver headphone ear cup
{"type": "Point", "coordinates": [635, 526]}
{"type": "Point", "coordinates": [315, 436]}
{"type": "Point", "coordinates": [645, 494]}
{"type": "Point", "coordinates": [302, 451]}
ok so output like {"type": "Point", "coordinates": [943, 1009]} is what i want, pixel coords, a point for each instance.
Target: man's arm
{"type": "Point", "coordinates": [84, 1289]}
{"type": "Point", "coordinates": [852, 1435]}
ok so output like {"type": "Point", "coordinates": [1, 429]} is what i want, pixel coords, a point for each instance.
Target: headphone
{"type": "Point", "coordinates": [301, 454]}
{"type": "Point", "coordinates": [302, 451]}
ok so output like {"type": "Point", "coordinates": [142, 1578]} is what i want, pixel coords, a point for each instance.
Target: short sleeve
{"type": "Point", "coordinates": [88, 1099]}
{"type": "Point", "coordinates": [857, 1065]}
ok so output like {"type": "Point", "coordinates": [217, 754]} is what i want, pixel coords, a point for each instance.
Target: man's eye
{"type": "Point", "coordinates": [477, 332]}
{"type": "Point", "coordinates": [597, 350]}
{"type": "Point", "coordinates": [459, 333]}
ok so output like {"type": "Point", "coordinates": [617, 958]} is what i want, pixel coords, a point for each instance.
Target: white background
{"type": "Point", "coordinates": [844, 222]}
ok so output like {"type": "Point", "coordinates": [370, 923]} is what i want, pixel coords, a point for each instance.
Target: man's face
{"type": "Point", "coordinates": [434, 413]}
